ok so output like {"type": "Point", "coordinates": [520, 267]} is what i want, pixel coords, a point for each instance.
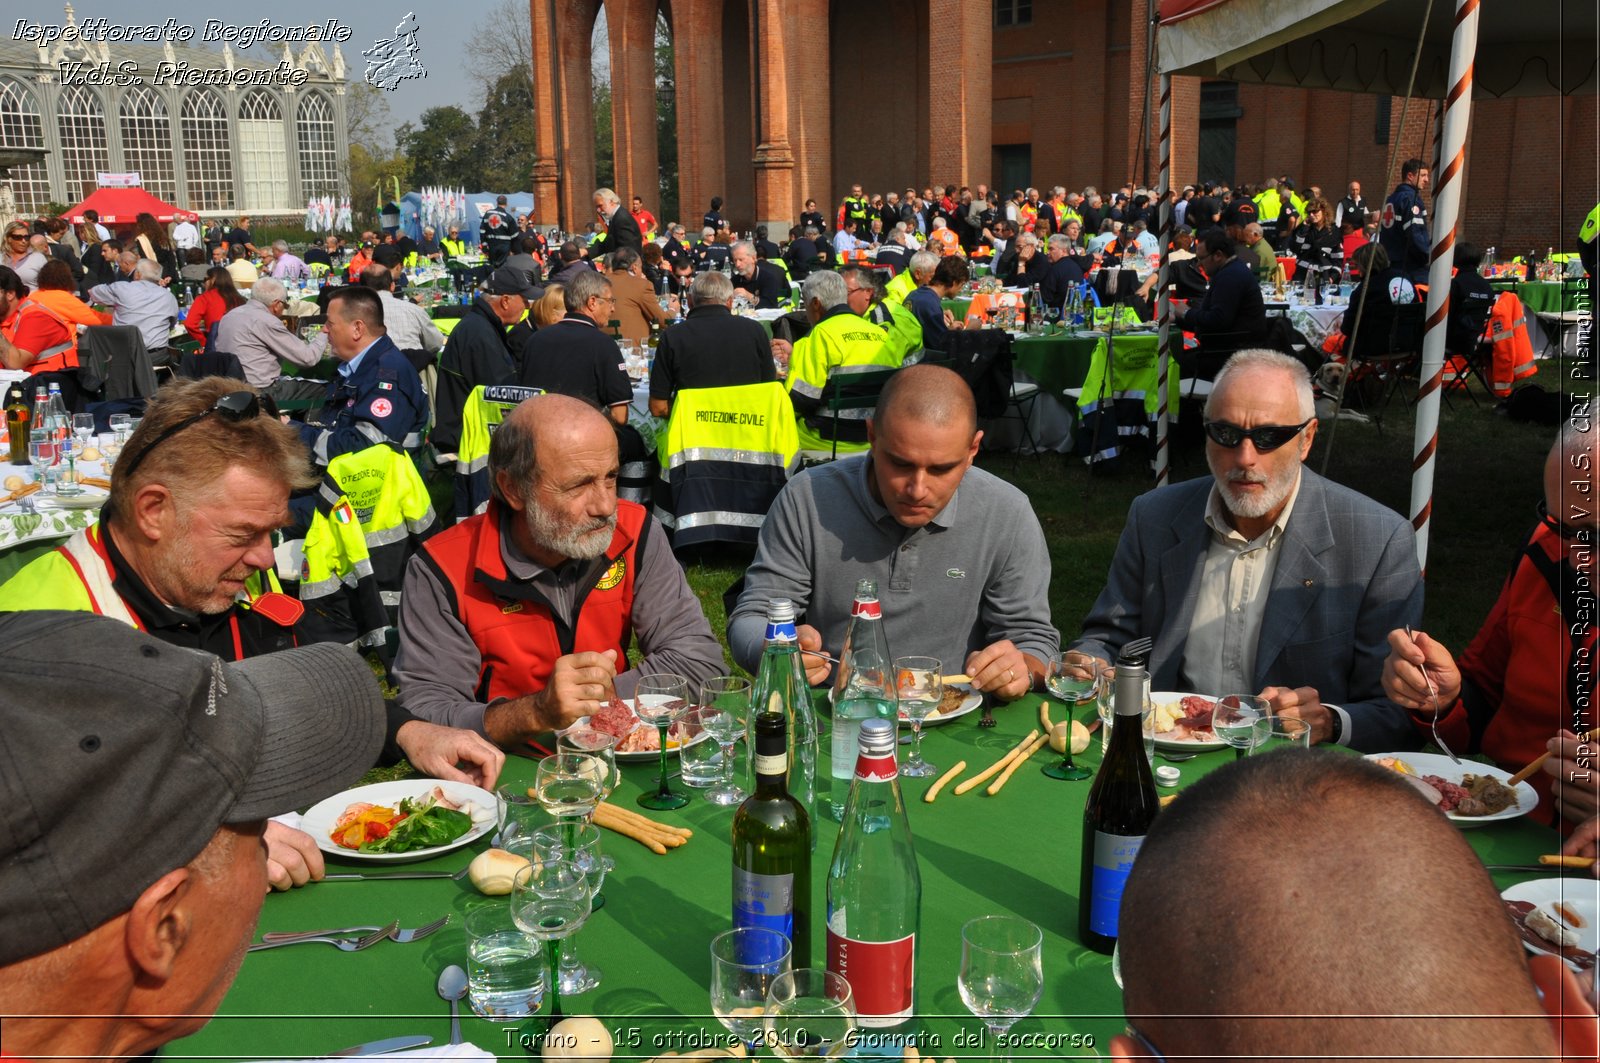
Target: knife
{"type": "Point", "coordinates": [353, 876]}
{"type": "Point", "coordinates": [1546, 869]}
{"type": "Point", "coordinates": [388, 1044]}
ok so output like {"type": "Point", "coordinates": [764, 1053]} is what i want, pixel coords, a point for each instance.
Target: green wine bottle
{"type": "Point", "coordinates": [772, 847]}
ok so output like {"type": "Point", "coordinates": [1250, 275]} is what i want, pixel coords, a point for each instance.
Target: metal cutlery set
{"type": "Point", "coordinates": [340, 938]}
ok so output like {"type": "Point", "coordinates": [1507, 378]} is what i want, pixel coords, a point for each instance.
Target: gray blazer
{"type": "Point", "coordinates": [1347, 576]}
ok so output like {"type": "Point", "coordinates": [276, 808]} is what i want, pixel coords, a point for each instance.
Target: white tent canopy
{"type": "Point", "coordinates": [1531, 47]}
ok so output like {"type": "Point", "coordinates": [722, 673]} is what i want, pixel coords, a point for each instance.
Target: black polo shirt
{"type": "Point", "coordinates": [574, 357]}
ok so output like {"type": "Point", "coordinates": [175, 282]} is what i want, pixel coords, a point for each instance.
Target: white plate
{"type": "Point", "coordinates": [651, 756]}
{"type": "Point", "coordinates": [90, 499]}
{"type": "Point", "coordinates": [320, 818]}
{"type": "Point", "coordinates": [1442, 766]}
{"type": "Point", "coordinates": [970, 703]}
{"type": "Point", "coordinates": [1581, 895]}
{"type": "Point", "coordinates": [1183, 745]}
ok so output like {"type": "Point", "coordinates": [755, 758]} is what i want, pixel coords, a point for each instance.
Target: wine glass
{"type": "Point", "coordinates": [662, 699]}
{"type": "Point", "coordinates": [1052, 318]}
{"type": "Point", "coordinates": [121, 424]}
{"type": "Point", "coordinates": [83, 429]}
{"type": "Point", "coordinates": [810, 1015]}
{"type": "Point", "coordinates": [745, 962]}
{"type": "Point", "coordinates": [724, 711]}
{"type": "Point", "coordinates": [919, 687]}
{"type": "Point", "coordinates": [582, 846]}
{"type": "Point", "coordinates": [518, 814]}
{"type": "Point", "coordinates": [1001, 975]}
{"type": "Point", "coordinates": [597, 744]}
{"type": "Point", "coordinates": [1071, 676]}
{"type": "Point", "coordinates": [550, 900]}
{"type": "Point", "coordinates": [568, 785]}
{"type": "Point", "coordinates": [43, 453]}
{"type": "Point", "coordinates": [1278, 732]}
{"type": "Point", "coordinates": [1233, 716]}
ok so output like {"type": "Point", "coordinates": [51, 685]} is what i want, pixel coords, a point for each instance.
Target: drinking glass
{"type": "Point", "coordinates": [505, 974]}
{"type": "Point", "coordinates": [582, 845]}
{"type": "Point", "coordinates": [518, 815]}
{"type": "Point", "coordinates": [1071, 676]}
{"type": "Point", "coordinates": [550, 899]}
{"type": "Point", "coordinates": [122, 424]}
{"type": "Point", "coordinates": [744, 963]}
{"type": "Point", "coordinates": [568, 785]}
{"type": "Point", "coordinates": [1278, 732]}
{"type": "Point", "coordinates": [83, 429]}
{"type": "Point", "coordinates": [1233, 718]}
{"type": "Point", "coordinates": [1001, 975]}
{"type": "Point", "coordinates": [43, 453]}
{"type": "Point", "coordinates": [810, 1015]}
{"type": "Point", "coordinates": [597, 744]}
{"type": "Point", "coordinates": [919, 687]}
{"type": "Point", "coordinates": [662, 699]}
{"type": "Point", "coordinates": [724, 711]}
{"type": "Point", "coordinates": [1052, 318]}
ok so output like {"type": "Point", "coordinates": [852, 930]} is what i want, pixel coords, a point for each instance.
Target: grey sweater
{"type": "Point", "coordinates": [978, 573]}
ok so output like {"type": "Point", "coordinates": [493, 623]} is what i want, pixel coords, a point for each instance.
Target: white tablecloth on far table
{"type": "Point", "coordinates": [49, 521]}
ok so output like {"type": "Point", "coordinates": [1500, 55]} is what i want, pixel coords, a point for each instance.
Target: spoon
{"type": "Point", "coordinates": [1176, 758]}
{"type": "Point", "coordinates": [452, 987]}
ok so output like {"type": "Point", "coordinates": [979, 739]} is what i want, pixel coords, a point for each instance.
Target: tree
{"type": "Point", "coordinates": [506, 134]}
{"type": "Point", "coordinates": [605, 164]}
{"type": "Point", "coordinates": [441, 150]}
{"type": "Point", "coordinates": [503, 44]}
{"type": "Point", "coordinates": [372, 158]}
{"type": "Point", "coordinates": [666, 122]}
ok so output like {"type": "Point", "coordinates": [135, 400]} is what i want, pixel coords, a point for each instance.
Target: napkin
{"type": "Point", "coordinates": [288, 819]}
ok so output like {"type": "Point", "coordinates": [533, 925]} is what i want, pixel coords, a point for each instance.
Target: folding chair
{"type": "Point", "coordinates": [848, 391]}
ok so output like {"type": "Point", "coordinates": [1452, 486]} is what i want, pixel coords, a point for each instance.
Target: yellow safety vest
{"type": "Point", "coordinates": [841, 343]}
{"type": "Point", "coordinates": [725, 454]}
{"type": "Point", "coordinates": [1268, 205]}
{"type": "Point", "coordinates": [901, 326]}
{"type": "Point", "coordinates": [454, 248]}
{"type": "Point", "coordinates": [899, 286]}
{"type": "Point", "coordinates": [486, 407]}
{"type": "Point", "coordinates": [1591, 226]}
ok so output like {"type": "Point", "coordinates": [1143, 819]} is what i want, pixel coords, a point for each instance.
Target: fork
{"type": "Point", "coordinates": [1433, 696]}
{"type": "Point", "coordinates": [342, 944]}
{"type": "Point", "coordinates": [1138, 648]}
{"type": "Point", "coordinates": [392, 932]}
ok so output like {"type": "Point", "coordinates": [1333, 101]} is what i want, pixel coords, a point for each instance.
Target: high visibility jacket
{"type": "Point", "coordinates": [318, 269]}
{"type": "Point", "coordinates": [392, 506]}
{"type": "Point", "coordinates": [453, 248]}
{"type": "Point", "coordinates": [53, 359]}
{"type": "Point", "coordinates": [1513, 351]}
{"type": "Point", "coordinates": [840, 343]}
{"type": "Point", "coordinates": [725, 455]}
{"type": "Point", "coordinates": [899, 286]}
{"type": "Point", "coordinates": [1029, 216]}
{"type": "Point", "coordinates": [486, 407]}
{"type": "Point", "coordinates": [77, 577]}
{"type": "Point", "coordinates": [1268, 205]}
{"type": "Point", "coordinates": [517, 634]}
{"type": "Point", "coordinates": [900, 325]}
{"type": "Point", "coordinates": [857, 208]}
{"type": "Point", "coordinates": [945, 241]}
{"type": "Point", "coordinates": [331, 570]}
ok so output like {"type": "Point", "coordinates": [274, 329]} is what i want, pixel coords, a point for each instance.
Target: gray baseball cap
{"type": "Point", "coordinates": [121, 756]}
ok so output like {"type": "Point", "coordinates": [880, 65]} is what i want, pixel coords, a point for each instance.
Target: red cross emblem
{"type": "Point", "coordinates": [1388, 215]}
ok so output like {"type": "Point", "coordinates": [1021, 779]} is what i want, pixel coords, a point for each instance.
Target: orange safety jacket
{"type": "Point", "coordinates": [1513, 351]}
{"type": "Point", "coordinates": [56, 359]}
{"type": "Point", "coordinates": [519, 637]}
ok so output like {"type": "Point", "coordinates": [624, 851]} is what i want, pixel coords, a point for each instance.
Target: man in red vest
{"type": "Point", "coordinates": [517, 621]}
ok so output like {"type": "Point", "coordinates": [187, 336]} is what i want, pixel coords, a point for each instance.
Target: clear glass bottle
{"type": "Point", "coordinates": [772, 848]}
{"type": "Point", "coordinates": [781, 689]}
{"type": "Point", "coordinates": [863, 689]}
{"type": "Point", "coordinates": [875, 895]}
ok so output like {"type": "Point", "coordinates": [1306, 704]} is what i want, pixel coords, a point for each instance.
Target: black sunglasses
{"type": "Point", "coordinates": [1264, 437]}
{"type": "Point", "coordinates": [233, 407]}
{"type": "Point", "coordinates": [1566, 532]}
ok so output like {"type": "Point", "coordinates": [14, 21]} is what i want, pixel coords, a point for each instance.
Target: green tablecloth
{"type": "Point", "coordinates": [1541, 297]}
{"type": "Point", "coordinates": [1016, 852]}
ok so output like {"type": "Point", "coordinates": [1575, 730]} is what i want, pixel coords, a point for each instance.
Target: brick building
{"type": "Point", "coordinates": [779, 101]}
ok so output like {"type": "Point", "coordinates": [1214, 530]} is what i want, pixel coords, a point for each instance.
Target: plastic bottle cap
{"type": "Point", "coordinates": [1167, 775]}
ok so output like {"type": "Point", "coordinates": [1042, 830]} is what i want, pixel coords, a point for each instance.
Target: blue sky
{"type": "Point", "coordinates": [445, 36]}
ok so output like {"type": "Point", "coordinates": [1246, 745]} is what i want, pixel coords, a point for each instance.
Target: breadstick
{"type": "Point", "coordinates": [23, 492]}
{"type": "Point", "coordinates": [642, 824]}
{"type": "Point", "coordinates": [1559, 860]}
{"type": "Point", "coordinates": [1044, 717]}
{"type": "Point", "coordinates": [1016, 762]}
{"type": "Point", "coordinates": [640, 817]}
{"type": "Point", "coordinates": [933, 791]}
{"type": "Point", "coordinates": [993, 769]}
{"type": "Point", "coordinates": [650, 840]}
{"type": "Point", "coordinates": [96, 481]}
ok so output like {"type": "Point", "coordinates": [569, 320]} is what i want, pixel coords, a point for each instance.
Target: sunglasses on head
{"type": "Point", "coordinates": [1263, 437]}
{"type": "Point", "coordinates": [1566, 532]}
{"type": "Point", "coordinates": [233, 407]}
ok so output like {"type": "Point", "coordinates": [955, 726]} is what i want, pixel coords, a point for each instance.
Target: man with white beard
{"type": "Point", "coordinates": [1267, 578]}
{"type": "Point", "coordinates": [516, 622]}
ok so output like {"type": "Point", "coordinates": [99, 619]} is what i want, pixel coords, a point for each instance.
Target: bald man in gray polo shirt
{"type": "Point", "coordinates": [960, 559]}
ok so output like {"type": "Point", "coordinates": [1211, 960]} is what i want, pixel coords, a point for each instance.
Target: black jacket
{"type": "Point", "coordinates": [769, 285]}
{"type": "Point", "coordinates": [621, 231]}
{"type": "Point", "coordinates": [711, 348]}
{"type": "Point", "coordinates": [574, 357]}
{"type": "Point", "coordinates": [477, 352]}
{"type": "Point", "coordinates": [1232, 304]}
{"type": "Point", "coordinates": [1060, 276]}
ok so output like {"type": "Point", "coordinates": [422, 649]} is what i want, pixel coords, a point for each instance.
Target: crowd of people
{"type": "Point", "coordinates": [518, 620]}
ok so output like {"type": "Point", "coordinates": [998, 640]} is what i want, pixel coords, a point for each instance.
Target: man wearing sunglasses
{"type": "Point", "coordinates": [1525, 685]}
{"type": "Point", "coordinates": [183, 551]}
{"type": "Point", "coordinates": [1266, 578]}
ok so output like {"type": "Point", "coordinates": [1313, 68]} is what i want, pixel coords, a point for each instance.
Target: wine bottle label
{"type": "Point", "coordinates": [1113, 859]}
{"type": "Point", "coordinates": [876, 769]}
{"type": "Point", "coordinates": [782, 631]}
{"type": "Point", "coordinates": [867, 607]}
{"type": "Point", "coordinates": [881, 975]}
{"type": "Point", "coordinates": [772, 764]}
{"type": "Point", "coordinates": [766, 901]}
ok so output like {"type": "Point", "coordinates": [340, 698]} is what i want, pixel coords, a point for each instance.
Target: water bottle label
{"type": "Point", "coordinates": [867, 607]}
{"type": "Point", "coordinates": [876, 769]}
{"type": "Point", "coordinates": [881, 974]}
{"type": "Point", "coordinates": [766, 901]}
{"type": "Point", "coordinates": [781, 631]}
{"type": "Point", "coordinates": [1113, 859]}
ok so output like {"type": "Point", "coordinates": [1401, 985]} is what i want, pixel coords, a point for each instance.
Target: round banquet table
{"type": "Point", "coordinates": [24, 536]}
{"type": "Point", "coordinates": [1016, 852]}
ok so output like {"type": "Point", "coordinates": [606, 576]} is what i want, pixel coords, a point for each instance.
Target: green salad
{"type": "Point", "coordinates": [424, 824]}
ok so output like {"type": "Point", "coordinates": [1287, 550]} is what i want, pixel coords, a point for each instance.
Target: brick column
{"type": "Point", "coordinates": [810, 123]}
{"type": "Point", "coordinates": [774, 158]}
{"type": "Point", "coordinates": [960, 92]}
{"type": "Point", "coordinates": [697, 57]}
{"type": "Point", "coordinates": [546, 145]}
{"type": "Point", "coordinates": [575, 23]}
{"type": "Point", "coordinates": [631, 28]}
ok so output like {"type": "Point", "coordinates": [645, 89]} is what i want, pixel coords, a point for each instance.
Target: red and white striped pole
{"type": "Point", "coordinates": [1446, 207]}
{"type": "Point", "coordinates": [1164, 301]}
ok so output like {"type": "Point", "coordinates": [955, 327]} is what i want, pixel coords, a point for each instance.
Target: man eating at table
{"type": "Point", "coordinates": [183, 550]}
{"type": "Point", "coordinates": [958, 554]}
{"type": "Point", "coordinates": [1347, 919]}
{"type": "Point", "coordinates": [1266, 578]}
{"type": "Point", "coordinates": [516, 622]}
{"type": "Point", "coordinates": [137, 785]}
